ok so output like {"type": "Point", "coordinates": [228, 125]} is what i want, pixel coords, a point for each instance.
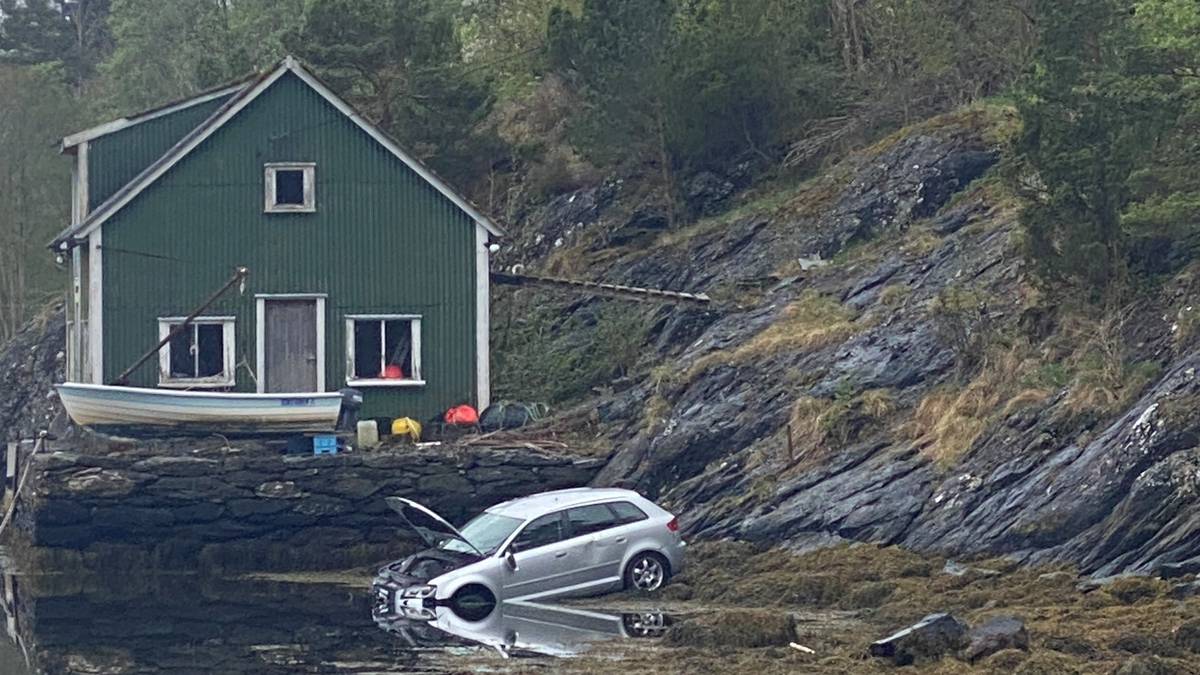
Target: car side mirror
{"type": "Point", "coordinates": [510, 559]}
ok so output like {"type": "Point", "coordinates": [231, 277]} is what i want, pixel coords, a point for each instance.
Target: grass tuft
{"type": "Point", "coordinates": [950, 419]}
{"type": "Point", "coordinates": [809, 323]}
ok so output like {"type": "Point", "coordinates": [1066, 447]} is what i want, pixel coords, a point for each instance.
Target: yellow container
{"type": "Point", "coordinates": [407, 426]}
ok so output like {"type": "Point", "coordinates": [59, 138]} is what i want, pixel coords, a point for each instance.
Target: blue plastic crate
{"type": "Point", "coordinates": [324, 445]}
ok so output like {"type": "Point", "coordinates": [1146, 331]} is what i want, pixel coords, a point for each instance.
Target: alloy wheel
{"type": "Point", "coordinates": [648, 574]}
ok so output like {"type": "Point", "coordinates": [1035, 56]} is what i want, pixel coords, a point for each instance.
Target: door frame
{"type": "Point", "coordinates": [260, 334]}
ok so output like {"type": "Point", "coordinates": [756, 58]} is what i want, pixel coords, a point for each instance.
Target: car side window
{"type": "Point", "coordinates": [540, 532]}
{"type": "Point", "coordinates": [627, 513]}
{"type": "Point", "coordinates": [589, 519]}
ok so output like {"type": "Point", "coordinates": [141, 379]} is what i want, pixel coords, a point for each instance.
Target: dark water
{"type": "Point", "coordinates": [133, 624]}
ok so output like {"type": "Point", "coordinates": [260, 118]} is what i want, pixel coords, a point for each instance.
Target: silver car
{"type": "Point", "coordinates": [583, 541]}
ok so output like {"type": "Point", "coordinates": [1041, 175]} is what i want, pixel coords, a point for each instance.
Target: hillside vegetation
{"type": "Point", "coordinates": [950, 243]}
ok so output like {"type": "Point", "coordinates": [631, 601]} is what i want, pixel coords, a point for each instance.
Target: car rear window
{"type": "Point", "coordinates": [589, 519]}
{"type": "Point", "coordinates": [627, 513]}
{"type": "Point", "coordinates": [540, 532]}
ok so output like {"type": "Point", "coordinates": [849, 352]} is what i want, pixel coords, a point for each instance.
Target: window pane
{"type": "Point", "coordinates": [289, 186]}
{"type": "Point", "coordinates": [398, 348]}
{"type": "Point", "coordinates": [485, 532]}
{"type": "Point", "coordinates": [180, 346]}
{"type": "Point", "coordinates": [627, 513]}
{"type": "Point", "coordinates": [210, 348]}
{"type": "Point", "coordinates": [367, 350]}
{"type": "Point", "coordinates": [589, 519]}
{"type": "Point", "coordinates": [541, 532]}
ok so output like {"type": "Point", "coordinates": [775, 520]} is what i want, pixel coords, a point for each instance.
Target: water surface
{"type": "Point", "coordinates": [128, 623]}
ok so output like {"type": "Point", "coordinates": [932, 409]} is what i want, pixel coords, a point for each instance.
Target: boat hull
{"type": "Point", "coordinates": [127, 409]}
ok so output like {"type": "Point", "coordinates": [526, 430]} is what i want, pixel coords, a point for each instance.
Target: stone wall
{"type": "Point", "coordinates": [212, 505]}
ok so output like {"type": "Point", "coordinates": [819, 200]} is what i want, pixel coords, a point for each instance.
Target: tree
{"type": "Point", "coordinates": [1108, 152]}
{"type": "Point", "coordinates": [74, 35]}
{"type": "Point", "coordinates": [688, 85]}
{"type": "Point", "coordinates": [170, 49]}
{"type": "Point", "coordinates": [165, 50]}
{"type": "Point", "coordinates": [508, 39]}
{"type": "Point", "coordinates": [34, 113]}
{"type": "Point", "coordinates": [622, 52]}
{"type": "Point", "coordinates": [401, 62]}
{"type": "Point", "coordinates": [1165, 190]}
{"type": "Point", "coordinates": [747, 75]}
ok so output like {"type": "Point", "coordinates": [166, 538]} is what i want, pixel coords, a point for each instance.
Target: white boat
{"type": "Point", "coordinates": [133, 409]}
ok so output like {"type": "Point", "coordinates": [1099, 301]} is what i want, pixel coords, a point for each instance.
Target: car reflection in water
{"type": "Point", "coordinates": [521, 626]}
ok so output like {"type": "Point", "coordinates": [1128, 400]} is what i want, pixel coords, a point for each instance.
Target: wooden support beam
{"type": "Point", "coordinates": [617, 291]}
{"type": "Point", "coordinates": [239, 276]}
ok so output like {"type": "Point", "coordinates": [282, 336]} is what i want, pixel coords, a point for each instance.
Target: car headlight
{"type": "Point", "coordinates": [420, 591]}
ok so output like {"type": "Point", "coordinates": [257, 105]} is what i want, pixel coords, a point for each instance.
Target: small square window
{"type": "Point", "coordinates": [383, 350]}
{"type": "Point", "coordinates": [290, 188]}
{"type": "Point", "coordinates": [200, 355]}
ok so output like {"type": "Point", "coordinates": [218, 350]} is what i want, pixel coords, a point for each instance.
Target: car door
{"type": "Point", "coordinates": [544, 559]}
{"type": "Point", "coordinates": [600, 540]}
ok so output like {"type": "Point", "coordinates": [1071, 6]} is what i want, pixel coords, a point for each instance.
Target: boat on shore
{"type": "Point", "coordinates": [136, 410]}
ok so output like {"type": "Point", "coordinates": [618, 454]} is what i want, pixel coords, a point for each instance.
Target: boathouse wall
{"type": "Point", "coordinates": [381, 241]}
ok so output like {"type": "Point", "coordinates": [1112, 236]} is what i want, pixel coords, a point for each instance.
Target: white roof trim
{"type": "Point", "coordinates": [126, 122]}
{"type": "Point", "coordinates": [387, 142]}
{"type": "Point", "coordinates": [208, 128]}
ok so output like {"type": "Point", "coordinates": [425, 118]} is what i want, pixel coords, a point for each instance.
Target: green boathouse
{"type": "Point", "coordinates": [366, 270]}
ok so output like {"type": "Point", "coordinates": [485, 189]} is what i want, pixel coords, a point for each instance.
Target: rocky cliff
{"type": "Point", "coordinates": [880, 367]}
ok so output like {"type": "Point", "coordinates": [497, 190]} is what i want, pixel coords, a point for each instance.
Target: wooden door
{"type": "Point", "coordinates": [291, 360]}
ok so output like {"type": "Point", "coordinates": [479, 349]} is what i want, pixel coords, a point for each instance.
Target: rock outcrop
{"type": "Point", "coordinates": [927, 640]}
{"type": "Point", "coordinates": [30, 364]}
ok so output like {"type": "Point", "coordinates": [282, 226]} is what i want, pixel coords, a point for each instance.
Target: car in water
{"type": "Point", "coordinates": [576, 542]}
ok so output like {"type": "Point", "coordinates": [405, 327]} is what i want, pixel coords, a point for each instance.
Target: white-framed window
{"type": "Point", "coordinates": [383, 350]}
{"type": "Point", "coordinates": [200, 355]}
{"type": "Point", "coordinates": [290, 187]}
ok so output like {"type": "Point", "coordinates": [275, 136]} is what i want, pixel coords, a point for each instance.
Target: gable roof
{"type": "Point", "coordinates": [116, 125]}
{"type": "Point", "coordinates": [238, 102]}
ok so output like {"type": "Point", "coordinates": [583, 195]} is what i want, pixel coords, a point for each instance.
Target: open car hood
{"type": "Point", "coordinates": [432, 528]}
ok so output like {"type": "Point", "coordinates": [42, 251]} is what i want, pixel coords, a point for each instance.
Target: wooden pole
{"type": "Point", "coordinates": [10, 471]}
{"type": "Point", "coordinates": [238, 277]}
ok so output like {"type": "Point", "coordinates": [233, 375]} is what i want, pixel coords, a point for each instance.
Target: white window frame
{"type": "Point", "coordinates": [310, 187]}
{"type": "Point", "coordinates": [416, 378]}
{"type": "Point", "coordinates": [228, 375]}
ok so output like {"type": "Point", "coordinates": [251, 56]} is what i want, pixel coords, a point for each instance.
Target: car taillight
{"type": "Point", "coordinates": [673, 525]}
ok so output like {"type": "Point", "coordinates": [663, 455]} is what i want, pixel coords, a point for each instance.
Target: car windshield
{"type": "Point", "coordinates": [485, 532]}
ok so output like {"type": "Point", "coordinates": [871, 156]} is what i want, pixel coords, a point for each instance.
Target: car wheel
{"type": "Point", "coordinates": [473, 602]}
{"type": "Point", "coordinates": [646, 624]}
{"type": "Point", "coordinates": [647, 572]}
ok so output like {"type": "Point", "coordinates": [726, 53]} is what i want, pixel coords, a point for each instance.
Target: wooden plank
{"type": "Point", "coordinates": [618, 291]}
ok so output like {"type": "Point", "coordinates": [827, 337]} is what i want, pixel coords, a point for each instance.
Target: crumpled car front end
{"type": "Point", "coordinates": [403, 589]}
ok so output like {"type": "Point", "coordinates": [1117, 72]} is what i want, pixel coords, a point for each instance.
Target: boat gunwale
{"type": "Point", "coordinates": [175, 393]}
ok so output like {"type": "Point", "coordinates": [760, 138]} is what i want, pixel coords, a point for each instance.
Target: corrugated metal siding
{"type": "Point", "coordinates": [382, 241]}
{"type": "Point", "coordinates": [115, 159]}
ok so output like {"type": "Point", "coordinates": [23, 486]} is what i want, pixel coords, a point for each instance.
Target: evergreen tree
{"type": "Point", "coordinates": [1109, 149]}
{"type": "Point", "coordinates": [73, 35]}
{"type": "Point", "coordinates": [622, 51]}
{"type": "Point", "coordinates": [401, 62]}
{"type": "Point", "coordinates": [1084, 135]}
